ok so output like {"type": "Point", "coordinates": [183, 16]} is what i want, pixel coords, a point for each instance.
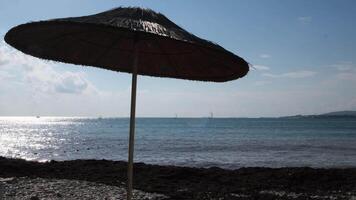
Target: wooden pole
{"type": "Point", "coordinates": [132, 126]}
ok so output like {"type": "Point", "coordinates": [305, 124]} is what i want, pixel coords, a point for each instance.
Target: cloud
{"type": "Point", "coordinates": [3, 62]}
{"type": "Point", "coordinates": [265, 56]}
{"type": "Point", "coordinates": [296, 74]}
{"type": "Point", "coordinates": [346, 71]}
{"type": "Point", "coordinates": [46, 79]}
{"type": "Point", "coordinates": [71, 83]}
{"type": "Point", "coordinates": [344, 66]}
{"type": "Point", "coordinates": [3, 55]}
{"type": "Point", "coordinates": [41, 75]}
{"type": "Point", "coordinates": [11, 58]}
{"type": "Point", "coordinates": [5, 75]}
{"type": "Point", "coordinates": [305, 19]}
{"type": "Point", "coordinates": [261, 67]}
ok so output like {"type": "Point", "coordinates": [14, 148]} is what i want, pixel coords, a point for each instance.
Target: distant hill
{"type": "Point", "coordinates": [340, 113]}
{"type": "Point", "coordinates": [337, 114]}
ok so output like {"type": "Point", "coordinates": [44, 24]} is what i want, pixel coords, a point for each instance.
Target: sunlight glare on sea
{"type": "Point", "coordinates": [199, 142]}
{"type": "Point", "coordinates": [21, 137]}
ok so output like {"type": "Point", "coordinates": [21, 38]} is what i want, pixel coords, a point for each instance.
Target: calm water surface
{"type": "Point", "coordinates": [202, 142]}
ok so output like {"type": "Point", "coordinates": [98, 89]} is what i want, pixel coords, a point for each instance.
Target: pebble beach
{"type": "Point", "coordinates": [25, 188]}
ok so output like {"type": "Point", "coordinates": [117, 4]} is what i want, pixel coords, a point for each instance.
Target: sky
{"type": "Point", "coordinates": [303, 57]}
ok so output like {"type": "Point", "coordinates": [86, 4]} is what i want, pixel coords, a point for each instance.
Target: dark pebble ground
{"type": "Point", "coordinates": [178, 183]}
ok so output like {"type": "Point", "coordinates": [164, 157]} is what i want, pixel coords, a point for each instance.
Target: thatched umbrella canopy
{"type": "Point", "coordinates": [106, 40]}
{"type": "Point", "coordinates": [133, 40]}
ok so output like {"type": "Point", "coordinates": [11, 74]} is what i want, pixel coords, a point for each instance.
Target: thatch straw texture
{"type": "Point", "coordinates": [106, 40]}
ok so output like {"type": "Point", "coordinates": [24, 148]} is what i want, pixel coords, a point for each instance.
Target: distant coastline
{"type": "Point", "coordinates": [337, 114]}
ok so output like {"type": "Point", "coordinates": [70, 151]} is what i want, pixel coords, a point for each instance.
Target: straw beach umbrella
{"type": "Point", "coordinates": [134, 40]}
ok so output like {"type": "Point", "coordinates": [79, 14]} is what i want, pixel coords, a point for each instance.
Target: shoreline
{"type": "Point", "coordinates": [197, 183]}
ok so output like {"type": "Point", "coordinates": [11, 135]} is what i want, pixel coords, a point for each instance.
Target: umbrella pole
{"type": "Point", "coordinates": [132, 126]}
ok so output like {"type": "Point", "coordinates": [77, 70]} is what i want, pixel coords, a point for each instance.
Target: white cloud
{"type": "Point", "coordinates": [71, 83]}
{"type": "Point", "coordinates": [265, 56]}
{"type": "Point", "coordinates": [261, 67]}
{"type": "Point", "coordinates": [296, 74]}
{"type": "Point", "coordinates": [2, 62]}
{"type": "Point", "coordinates": [346, 71]}
{"type": "Point", "coordinates": [3, 55]}
{"type": "Point", "coordinates": [41, 75]}
{"type": "Point", "coordinates": [46, 79]}
{"type": "Point", "coordinates": [305, 19]}
{"type": "Point", "coordinates": [5, 75]}
{"type": "Point", "coordinates": [344, 66]}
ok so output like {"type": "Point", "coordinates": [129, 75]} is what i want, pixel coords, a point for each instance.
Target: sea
{"type": "Point", "coordinates": [195, 142]}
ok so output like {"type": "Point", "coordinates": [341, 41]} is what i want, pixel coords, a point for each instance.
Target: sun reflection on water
{"type": "Point", "coordinates": [26, 137]}
{"type": "Point", "coordinates": [195, 142]}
